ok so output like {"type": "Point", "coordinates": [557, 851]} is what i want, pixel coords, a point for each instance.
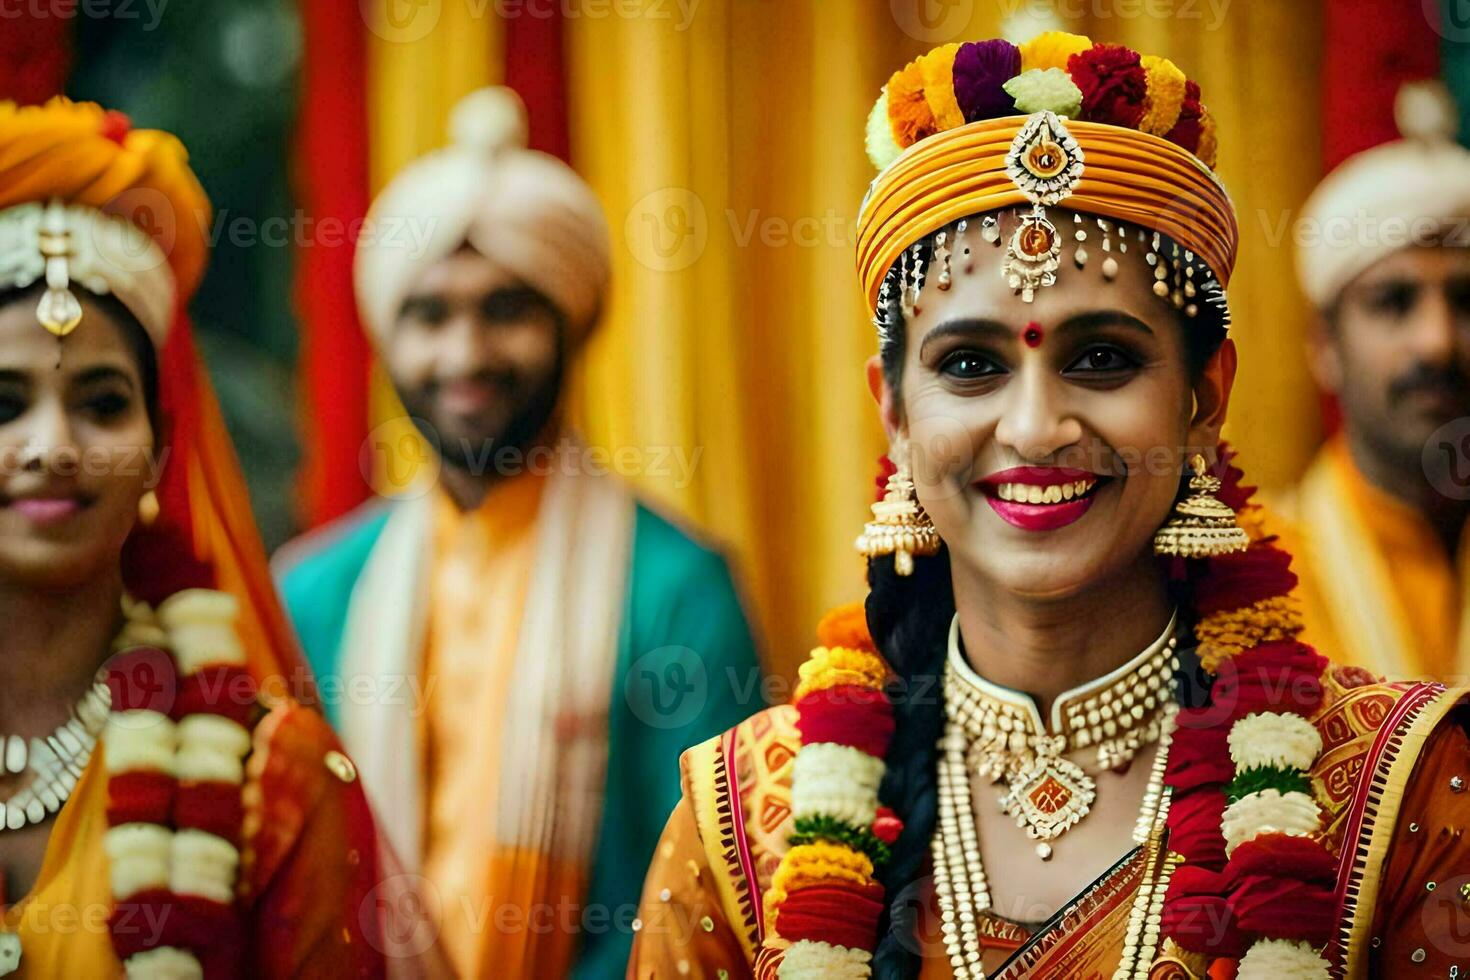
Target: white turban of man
{"type": "Point", "coordinates": [524, 210]}
{"type": "Point", "coordinates": [1412, 191]}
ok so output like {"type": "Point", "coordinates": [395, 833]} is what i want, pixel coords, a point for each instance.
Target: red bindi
{"type": "Point", "coordinates": [1033, 334]}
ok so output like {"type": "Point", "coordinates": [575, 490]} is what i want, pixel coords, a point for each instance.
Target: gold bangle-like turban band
{"type": "Point", "coordinates": [1129, 176]}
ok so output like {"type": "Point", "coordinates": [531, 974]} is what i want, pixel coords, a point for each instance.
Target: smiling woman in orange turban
{"type": "Point", "coordinates": [158, 779]}
{"type": "Point", "coordinates": [1073, 610]}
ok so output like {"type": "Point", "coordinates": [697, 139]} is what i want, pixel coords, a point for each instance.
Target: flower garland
{"type": "Point", "coordinates": [1057, 72]}
{"type": "Point", "coordinates": [174, 750]}
{"type": "Point", "coordinates": [1255, 881]}
{"type": "Point", "coordinates": [823, 899]}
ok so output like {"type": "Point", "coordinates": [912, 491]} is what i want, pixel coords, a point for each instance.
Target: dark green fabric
{"type": "Point", "coordinates": [1454, 58]}
{"type": "Point", "coordinates": [686, 670]}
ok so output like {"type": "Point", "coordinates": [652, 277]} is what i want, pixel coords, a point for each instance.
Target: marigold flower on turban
{"type": "Point", "coordinates": [937, 70]}
{"type": "Point", "coordinates": [1052, 49]}
{"type": "Point", "coordinates": [908, 109]}
{"type": "Point", "coordinates": [1165, 95]}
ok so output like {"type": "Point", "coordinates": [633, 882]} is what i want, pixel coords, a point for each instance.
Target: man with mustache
{"type": "Point", "coordinates": [1384, 256]}
{"type": "Point", "coordinates": [517, 654]}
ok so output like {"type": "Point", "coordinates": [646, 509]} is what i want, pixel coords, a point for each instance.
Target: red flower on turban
{"type": "Point", "coordinates": [1113, 84]}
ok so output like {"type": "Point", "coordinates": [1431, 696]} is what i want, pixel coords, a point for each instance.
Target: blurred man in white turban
{"type": "Point", "coordinates": [1384, 256]}
{"type": "Point", "coordinates": [516, 657]}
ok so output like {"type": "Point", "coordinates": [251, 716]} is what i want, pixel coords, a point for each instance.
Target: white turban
{"type": "Point", "coordinates": [1386, 198]}
{"type": "Point", "coordinates": [524, 210]}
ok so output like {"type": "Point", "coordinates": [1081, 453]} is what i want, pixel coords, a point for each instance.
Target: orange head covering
{"type": "Point", "coordinates": [1098, 129]}
{"type": "Point", "coordinates": [106, 183]}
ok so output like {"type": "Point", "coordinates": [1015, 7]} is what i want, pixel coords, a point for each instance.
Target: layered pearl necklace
{"type": "Point", "coordinates": [961, 888]}
{"type": "Point", "coordinates": [54, 762]}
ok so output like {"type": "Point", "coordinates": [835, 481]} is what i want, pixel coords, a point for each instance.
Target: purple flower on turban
{"type": "Point", "coordinates": [980, 69]}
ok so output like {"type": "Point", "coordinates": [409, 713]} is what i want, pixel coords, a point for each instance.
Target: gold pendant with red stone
{"type": "Point", "coordinates": [1050, 796]}
{"type": "Point", "coordinates": [1046, 165]}
{"type": "Point", "coordinates": [1033, 256]}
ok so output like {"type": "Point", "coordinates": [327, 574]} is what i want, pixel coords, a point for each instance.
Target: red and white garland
{"type": "Point", "coordinates": [1256, 882]}
{"type": "Point", "coordinates": [824, 901]}
{"type": "Point", "coordinates": [1256, 885]}
{"type": "Point", "coordinates": [174, 749]}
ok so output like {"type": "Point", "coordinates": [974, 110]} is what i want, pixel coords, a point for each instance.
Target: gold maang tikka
{"type": "Point", "coordinates": [1203, 525]}
{"type": "Point", "coordinates": [899, 527]}
{"type": "Point", "coordinates": [1045, 163]}
{"type": "Point", "coordinates": [58, 311]}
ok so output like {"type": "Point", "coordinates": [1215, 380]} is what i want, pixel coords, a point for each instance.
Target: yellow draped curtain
{"type": "Point", "coordinates": [725, 138]}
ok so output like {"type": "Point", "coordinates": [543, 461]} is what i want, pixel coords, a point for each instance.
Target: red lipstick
{"type": "Point", "coordinates": [1029, 515]}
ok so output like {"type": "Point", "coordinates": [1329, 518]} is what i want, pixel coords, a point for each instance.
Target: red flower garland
{"type": "Point", "coordinates": [1271, 886]}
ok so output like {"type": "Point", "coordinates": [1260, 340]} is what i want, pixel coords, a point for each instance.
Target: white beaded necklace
{"type": "Point", "coordinates": [55, 762]}
{"type": "Point", "coordinates": [961, 889]}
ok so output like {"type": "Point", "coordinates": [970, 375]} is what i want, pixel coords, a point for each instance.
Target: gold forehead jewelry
{"type": "Point", "coordinates": [58, 311]}
{"type": "Point", "coordinates": [1045, 163]}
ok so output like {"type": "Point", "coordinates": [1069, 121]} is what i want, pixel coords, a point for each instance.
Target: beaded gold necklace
{"type": "Point", "coordinates": [1007, 741]}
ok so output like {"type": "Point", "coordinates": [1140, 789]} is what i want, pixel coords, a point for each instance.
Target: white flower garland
{"type": "Point", "coordinates": [198, 626]}
{"type": "Point", "coordinates": [812, 960]}
{"type": "Point", "coordinates": [1269, 811]}
{"type": "Point", "coordinates": [1283, 741]}
{"type": "Point", "coordinates": [1282, 959]}
{"type": "Point", "coordinates": [837, 781]}
{"type": "Point", "coordinates": [163, 963]}
{"type": "Point", "coordinates": [1290, 742]}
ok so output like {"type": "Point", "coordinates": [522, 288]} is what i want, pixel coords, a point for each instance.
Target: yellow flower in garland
{"type": "Point", "coordinates": [1228, 633]}
{"type": "Point", "coordinates": [818, 863]}
{"type": "Point", "coordinates": [937, 70]}
{"type": "Point", "coordinates": [908, 110]}
{"type": "Point", "coordinates": [833, 666]}
{"type": "Point", "coordinates": [1165, 95]}
{"type": "Point", "coordinates": [1209, 138]}
{"type": "Point", "coordinates": [846, 626]}
{"type": "Point", "coordinates": [1052, 50]}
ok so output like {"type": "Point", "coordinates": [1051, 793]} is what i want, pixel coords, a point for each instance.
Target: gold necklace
{"type": "Point", "coordinates": [1007, 741]}
{"type": "Point", "coordinates": [963, 894]}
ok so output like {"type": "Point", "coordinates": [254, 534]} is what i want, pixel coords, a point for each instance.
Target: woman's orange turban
{"type": "Point", "coordinates": [86, 159]}
{"type": "Point", "coordinates": [941, 131]}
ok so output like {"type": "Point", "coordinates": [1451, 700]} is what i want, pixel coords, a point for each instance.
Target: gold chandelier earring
{"type": "Point", "coordinates": [1203, 525]}
{"type": "Point", "coordinates": [899, 526]}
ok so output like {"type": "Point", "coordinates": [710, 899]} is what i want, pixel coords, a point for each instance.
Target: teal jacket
{"type": "Point", "coordinates": [686, 670]}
